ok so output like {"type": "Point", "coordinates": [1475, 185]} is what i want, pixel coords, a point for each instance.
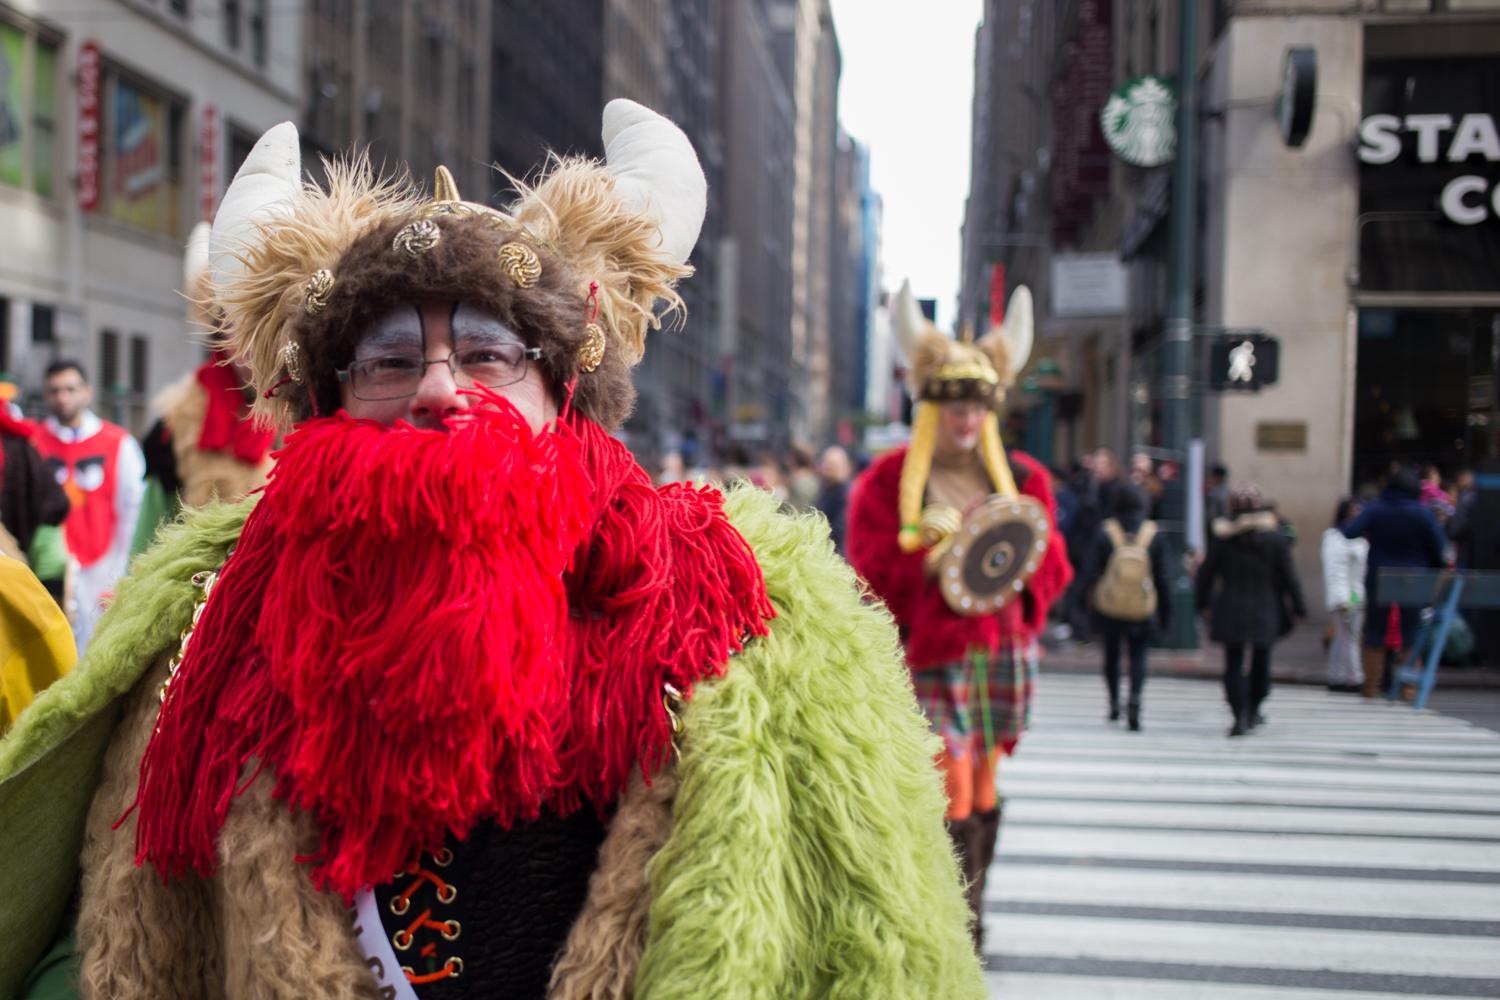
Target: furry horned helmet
{"type": "Point", "coordinates": [944, 370]}
{"type": "Point", "coordinates": [941, 368]}
{"type": "Point", "coordinates": [575, 266]}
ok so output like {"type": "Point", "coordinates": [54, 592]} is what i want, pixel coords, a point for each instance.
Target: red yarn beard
{"type": "Point", "coordinates": [408, 650]}
{"type": "Point", "coordinates": [392, 638]}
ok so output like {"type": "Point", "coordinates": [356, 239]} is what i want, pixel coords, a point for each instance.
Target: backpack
{"type": "Point", "coordinates": [1126, 592]}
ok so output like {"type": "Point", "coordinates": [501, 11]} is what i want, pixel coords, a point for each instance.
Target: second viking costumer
{"type": "Point", "coordinates": [973, 674]}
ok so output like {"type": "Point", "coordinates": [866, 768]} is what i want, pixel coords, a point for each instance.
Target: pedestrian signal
{"type": "Point", "coordinates": [1243, 362]}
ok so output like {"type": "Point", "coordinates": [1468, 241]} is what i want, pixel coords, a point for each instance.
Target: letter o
{"type": "Point", "coordinates": [1453, 203]}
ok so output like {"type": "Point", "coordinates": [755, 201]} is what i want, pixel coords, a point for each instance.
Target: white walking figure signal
{"type": "Point", "coordinates": [1242, 362]}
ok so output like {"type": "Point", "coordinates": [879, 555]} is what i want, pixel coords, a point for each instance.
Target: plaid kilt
{"type": "Point", "coordinates": [982, 702]}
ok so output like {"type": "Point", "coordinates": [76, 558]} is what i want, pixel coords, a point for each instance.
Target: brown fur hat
{"type": "Point", "coordinates": [305, 279]}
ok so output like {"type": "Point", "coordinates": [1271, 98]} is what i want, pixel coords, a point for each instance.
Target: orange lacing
{"type": "Point", "coordinates": [445, 893]}
{"type": "Point", "coordinates": [452, 967]}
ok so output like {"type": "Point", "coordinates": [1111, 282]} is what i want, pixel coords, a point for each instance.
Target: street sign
{"type": "Point", "coordinates": [1243, 362]}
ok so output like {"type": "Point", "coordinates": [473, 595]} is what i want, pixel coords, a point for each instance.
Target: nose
{"type": "Point", "coordinates": [437, 398]}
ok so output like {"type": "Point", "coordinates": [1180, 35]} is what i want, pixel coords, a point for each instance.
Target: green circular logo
{"type": "Point", "coordinates": [1140, 121]}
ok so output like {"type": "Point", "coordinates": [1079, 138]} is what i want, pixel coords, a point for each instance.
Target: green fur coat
{"type": "Point", "coordinates": [807, 854]}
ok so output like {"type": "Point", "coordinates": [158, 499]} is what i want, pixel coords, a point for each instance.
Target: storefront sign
{"type": "Point", "coordinates": [1464, 199]}
{"type": "Point", "coordinates": [89, 81]}
{"type": "Point", "coordinates": [1139, 121]}
{"type": "Point", "coordinates": [1299, 95]}
{"type": "Point", "coordinates": [210, 161]}
{"type": "Point", "coordinates": [1087, 284]}
{"type": "Point", "coordinates": [1429, 155]}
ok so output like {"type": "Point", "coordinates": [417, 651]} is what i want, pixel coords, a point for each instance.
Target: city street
{"type": "Point", "coordinates": [1346, 851]}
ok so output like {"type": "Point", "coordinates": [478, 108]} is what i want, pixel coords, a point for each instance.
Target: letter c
{"type": "Point", "coordinates": [1454, 194]}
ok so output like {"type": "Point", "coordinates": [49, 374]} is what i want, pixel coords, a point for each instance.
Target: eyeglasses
{"type": "Point", "coordinates": [400, 376]}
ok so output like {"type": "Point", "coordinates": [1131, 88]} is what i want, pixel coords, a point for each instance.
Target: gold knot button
{"type": "Point", "coordinates": [416, 238]}
{"type": "Point", "coordinates": [520, 264]}
{"type": "Point", "coordinates": [315, 293]}
{"type": "Point", "coordinates": [591, 351]}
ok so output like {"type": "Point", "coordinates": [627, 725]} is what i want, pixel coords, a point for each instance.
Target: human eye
{"type": "Point", "coordinates": [397, 364]}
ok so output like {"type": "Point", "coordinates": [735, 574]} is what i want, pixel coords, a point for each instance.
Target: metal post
{"type": "Point", "coordinates": [1178, 346]}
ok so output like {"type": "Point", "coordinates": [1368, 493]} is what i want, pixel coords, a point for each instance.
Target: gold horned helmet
{"type": "Point", "coordinates": [942, 369]}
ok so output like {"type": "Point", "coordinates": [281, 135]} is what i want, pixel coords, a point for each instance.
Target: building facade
{"type": "Point", "coordinates": [121, 122]}
{"type": "Point", "coordinates": [1370, 251]}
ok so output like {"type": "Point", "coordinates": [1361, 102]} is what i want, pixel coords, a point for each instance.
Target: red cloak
{"type": "Point", "coordinates": [931, 632]}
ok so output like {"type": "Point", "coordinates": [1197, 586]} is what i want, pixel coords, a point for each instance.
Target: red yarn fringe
{"type": "Point", "coordinates": [393, 637]}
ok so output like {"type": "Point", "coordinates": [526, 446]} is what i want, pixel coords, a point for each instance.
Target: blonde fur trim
{"type": "Point", "coordinates": [574, 209]}
{"type": "Point", "coordinates": [137, 938]}
{"type": "Point", "coordinates": [604, 947]}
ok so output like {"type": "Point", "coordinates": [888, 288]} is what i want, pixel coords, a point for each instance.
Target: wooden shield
{"type": "Point", "coordinates": [992, 556]}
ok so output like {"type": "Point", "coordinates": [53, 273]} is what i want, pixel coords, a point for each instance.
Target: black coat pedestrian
{"type": "Point", "coordinates": [1095, 562]}
{"type": "Point", "coordinates": [1248, 581]}
{"type": "Point", "coordinates": [29, 493]}
{"type": "Point", "coordinates": [1402, 533]}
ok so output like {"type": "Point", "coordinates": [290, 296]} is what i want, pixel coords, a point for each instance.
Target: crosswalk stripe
{"type": "Point", "coordinates": [1346, 850]}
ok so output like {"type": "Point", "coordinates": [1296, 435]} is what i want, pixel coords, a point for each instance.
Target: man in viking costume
{"type": "Point", "coordinates": [953, 535]}
{"type": "Point", "coordinates": [209, 441]}
{"type": "Point", "coordinates": [460, 704]}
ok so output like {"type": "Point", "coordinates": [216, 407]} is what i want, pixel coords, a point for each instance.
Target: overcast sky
{"type": "Point", "coordinates": [906, 92]}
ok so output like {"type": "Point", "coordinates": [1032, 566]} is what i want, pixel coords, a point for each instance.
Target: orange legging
{"type": "Point", "coordinates": [970, 782]}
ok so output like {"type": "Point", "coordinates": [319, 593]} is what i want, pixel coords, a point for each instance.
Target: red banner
{"type": "Point", "coordinates": [210, 161]}
{"type": "Point", "coordinates": [997, 294]}
{"type": "Point", "coordinates": [89, 96]}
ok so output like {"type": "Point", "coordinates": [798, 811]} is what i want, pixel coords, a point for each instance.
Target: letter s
{"type": "Point", "coordinates": [1378, 139]}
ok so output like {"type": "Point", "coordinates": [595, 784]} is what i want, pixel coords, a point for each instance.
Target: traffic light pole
{"type": "Point", "coordinates": [1177, 349]}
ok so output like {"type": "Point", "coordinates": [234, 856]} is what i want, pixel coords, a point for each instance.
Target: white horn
{"type": "Point", "coordinates": [656, 173]}
{"type": "Point", "coordinates": [264, 187]}
{"type": "Point", "coordinates": [908, 322]}
{"type": "Point", "coordinates": [195, 257]}
{"type": "Point", "coordinates": [1017, 330]}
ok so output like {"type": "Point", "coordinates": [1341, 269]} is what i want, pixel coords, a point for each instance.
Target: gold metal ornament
{"type": "Point", "coordinates": [291, 357]}
{"type": "Point", "coordinates": [443, 186]}
{"type": "Point", "coordinates": [591, 352]}
{"type": "Point", "coordinates": [417, 238]}
{"type": "Point", "coordinates": [315, 293]}
{"type": "Point", "coordinates": [520, 264]}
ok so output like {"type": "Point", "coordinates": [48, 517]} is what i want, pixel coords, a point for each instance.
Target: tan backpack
{"type": "Point", "coordinates": [1127, 592]}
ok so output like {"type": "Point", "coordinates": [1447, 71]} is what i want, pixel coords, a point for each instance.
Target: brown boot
{"type": "Point", "coordinates": [986, 836]}
{"type": "Point", "coordinates": [965, 834]}
{"type": "Point", "coordinates": [1373, 662]}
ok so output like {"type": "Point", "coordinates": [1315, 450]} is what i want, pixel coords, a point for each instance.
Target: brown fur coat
{"type": "Point", "coordinates": [259, 930]}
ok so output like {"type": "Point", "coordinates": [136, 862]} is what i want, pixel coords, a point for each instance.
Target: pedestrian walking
{"type": "Point", "coordinates": [1402, 532]}
{"type": "Point", "coordinates": [1344, 593]}
{"type": "Point", "coordinates": [835, 471]}
{"type": "Point", "coordinates": [1126, 574]}
{"type": "Point", "coordinates": [1249, 592]}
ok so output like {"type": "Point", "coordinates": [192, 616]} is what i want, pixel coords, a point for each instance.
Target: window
{"type": "Point", "coordinates": [143, 156]}
{"type": "Point", "coordinates": [28, 89]}
{"type": "Point", "coordinates": [140, 354]}
{"type": "Point", "coordinates": [232, 24]}
{"type": "Point", "coordinates": [109, 361]}
{"type": "Point", "coordinates": [258, 32]}
{"type": "Point", "coordinates": [43, 324]}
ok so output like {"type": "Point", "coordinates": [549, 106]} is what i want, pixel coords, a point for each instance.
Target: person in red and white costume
{"type": "Point", "coordinates": [101, 468]}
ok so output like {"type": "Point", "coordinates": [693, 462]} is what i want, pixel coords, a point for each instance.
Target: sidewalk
{"type": "Point", "coordinates": [1348, 850]}
{"type": "Point", "coordinates": [1471, 693]}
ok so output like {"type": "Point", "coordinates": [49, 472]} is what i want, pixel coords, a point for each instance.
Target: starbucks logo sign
{"type": "Point", "coordinates": [1139, 121]}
